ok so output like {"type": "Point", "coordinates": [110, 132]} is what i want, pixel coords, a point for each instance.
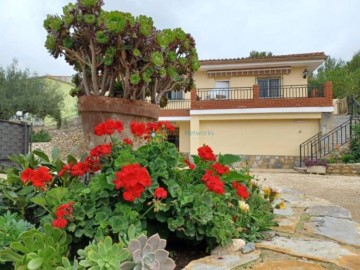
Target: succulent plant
{"type": "Point", "coordinates": [104, 255]}
{"type": "Point", "coordinates": [148, 254]}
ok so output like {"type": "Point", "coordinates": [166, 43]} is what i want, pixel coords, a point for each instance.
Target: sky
{"type": "Point", "coordinates": [222, 29]}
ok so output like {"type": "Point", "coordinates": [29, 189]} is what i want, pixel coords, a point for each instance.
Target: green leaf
{"type": "Point", "coordinates": [55, 196]}
{"type": "Point", "coordinates": [124, 158]}
{"type": "Point", "coordinates": [157, 59]}
{"type": "Point", "coordinates": [41, 155]}
{"type": "Point", "coordinates": [19, 247]}
{"type": "Point", "coordinates": [25, 190]}
{"type": "Point", "coordinates": [39, 201]}
{"type": "Point", "coordinates": [55, 153]}
{"type": "Point", "coordinates": [71, 159]}
{"type": "Point", "coordinates": [8, 255]}
{"type": "Point", "coordinates": [228, 159]}
{"type": "Point", "coordinates": [11, 195]}
{"type": "Point", "coordinates": [101, 217]}
{"type": "Point", "coordinates": [35, 263]}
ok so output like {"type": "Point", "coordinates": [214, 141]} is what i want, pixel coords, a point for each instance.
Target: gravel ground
{"type": "Point", "coordinates": [338, 189]}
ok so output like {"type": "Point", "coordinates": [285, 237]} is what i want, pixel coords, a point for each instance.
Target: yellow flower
{"type": "Point", "coordinates": [244, 206]}
{"type": "Point", "coordinates": [267, 192]}
{"type": "Point", "coordinates": [281, 205]}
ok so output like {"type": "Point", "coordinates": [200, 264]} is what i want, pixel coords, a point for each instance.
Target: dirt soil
{"type": "Point", "coordinates": [338, 189]}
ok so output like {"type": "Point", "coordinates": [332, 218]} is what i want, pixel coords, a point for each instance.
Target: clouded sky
{"type": "Point", "coordinates": [222, 29]}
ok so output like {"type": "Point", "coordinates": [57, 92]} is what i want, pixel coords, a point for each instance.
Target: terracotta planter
{"type": "Point", "coordinates": [316, 169]}
{"type": "Point", "coordinates": [94, 110]}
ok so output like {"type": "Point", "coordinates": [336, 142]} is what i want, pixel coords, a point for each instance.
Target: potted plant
{"type": "Point", "coordinates": [121, 61]}
{"type": "Point", "coordinates": [317, 166]}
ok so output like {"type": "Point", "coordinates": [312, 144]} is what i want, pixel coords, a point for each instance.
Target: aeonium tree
{"type": "Point", "coordinates": [117, 54]}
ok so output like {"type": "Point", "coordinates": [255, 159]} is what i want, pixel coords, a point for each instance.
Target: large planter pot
{"type": "Point", "coordinates": [316, 169]}
{"type": "Point", "coordinates": [94, 110]}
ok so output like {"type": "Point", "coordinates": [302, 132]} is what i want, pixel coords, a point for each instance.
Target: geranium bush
{"type": "Point", "coordinates": [150, 188]}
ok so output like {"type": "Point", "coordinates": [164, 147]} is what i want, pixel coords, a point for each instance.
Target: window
{"type": "Point", "coordinates": [221, 90]}
{"type": "Point", "coordinates": [269, 87]}
{"type": "Point", "coordinates": [175, 95]}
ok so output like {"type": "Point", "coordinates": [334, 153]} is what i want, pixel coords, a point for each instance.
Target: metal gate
{"type": "Point", "coordinates": [15, 138]}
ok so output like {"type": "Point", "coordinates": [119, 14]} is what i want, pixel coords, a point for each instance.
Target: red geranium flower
{"type": "Point", "coordinates": [152, 127]}
{"type": "Point", "coordinates": [65, 169]}
{"type": "Point", "coordinates": [191, 165]}
{"type": "Point", "coordinates": [213, 182]}
{"type": "Point", "coordinates": [60, 223]}
{"type": "Point", "coordinates": [93, 163]}
{"type": "Point", "coordinates": [26, 175]}
{"type": "Point", "coordinates": [128, 141]}
{"type": "Point", "coordinates": [108, 127]}
{"type": "Point", "coordinates": [64, 210]}
{"type": "Point", "coordinates": [79, 169]}
{"type": "Point", "coordinates": [37, 177]}
{"type": "Point", "coordinates": [133, 178]}
{"type": "Point", "coordinates": [220, 169]}
{"type": "Point", "coordinates": [241, 190]}
{"type": "Point", "coordinates": [100, 150]}
{"type": "Point", "coordinates": [166, 125]}
{"type": "Point", "coordinates": [160, 193]}
{"type": "Point", "coordinates": [138, 129]}
{"type": "Point", "coordinates": [206, 153]}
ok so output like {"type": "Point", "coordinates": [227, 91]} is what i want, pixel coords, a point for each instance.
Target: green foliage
{"type": "Point", "coordinates": [355, 143]}
{"type": "Point", "coordinates": [169, 54]}
{"type": "Point", "coordinates": [11, 226]}
{"type": "Point", "coordinates": [40, 136]}
{"type": "Point", "coordinates": [345, 76]}
{"type": "Point", "coordinates": [258, 54]}
{"type": "Point", "coordinates": [28, 93]}
{"type": "Point", "coordinates": [37, 249]}
{"type": "Point", "coordinates": [103, 255]}
{"type": "Point", "coordinates": [177, 200]}
{"type": "Point", "coordinates": [148, 254]}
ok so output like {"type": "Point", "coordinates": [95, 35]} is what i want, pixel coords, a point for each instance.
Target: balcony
{"type": "Point", "coordinates": [252, 97]}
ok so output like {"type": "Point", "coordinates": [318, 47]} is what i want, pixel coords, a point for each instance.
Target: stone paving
{"type": "Point", "coordinates": [312, 234]}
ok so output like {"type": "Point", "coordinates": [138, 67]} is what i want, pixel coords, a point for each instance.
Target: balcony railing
{"type": "Point", "coordinates": [178, 104]}
{"type": "Point", "coordinates": [292, 91]}
{"type": "Point", "coordinates": [255, 97]}
{"type": "Point", "coordinates": [233, 93]}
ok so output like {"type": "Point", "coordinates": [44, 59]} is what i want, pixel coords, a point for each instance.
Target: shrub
{"type": "Point", "coordinates": [41, 136]}
{"type": "Point", "coordinates": [315, 162]}
{"type": "Point", "coordinates": [151, 188]}
{"type": "Point", "coordinates": [348, 158]}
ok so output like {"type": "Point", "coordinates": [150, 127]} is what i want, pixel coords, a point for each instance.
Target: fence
{"type": "Point", "coordinates": [15, 138]}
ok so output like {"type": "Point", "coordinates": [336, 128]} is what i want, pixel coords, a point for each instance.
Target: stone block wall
{"type": "Point", "coordinates": [70, 140]}
{"type": "Point", "coordinates": [343, 169]}
{"type": "Point", "coordinates": [269, 162]}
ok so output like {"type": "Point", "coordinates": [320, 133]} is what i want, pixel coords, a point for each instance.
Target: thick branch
{"type": "Point", "coordinates": [94, 75]}
{"type": "Point", "coordinates": [104, 81]}
{"type": "Point", "coordinates": [84, 80]}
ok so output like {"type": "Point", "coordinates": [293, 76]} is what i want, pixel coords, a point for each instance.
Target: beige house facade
{"type": "Point", "coordinates": [261, 109]}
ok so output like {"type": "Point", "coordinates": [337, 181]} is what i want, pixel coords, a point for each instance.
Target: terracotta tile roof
{"type": "Point", "coordinates": [274, 58]}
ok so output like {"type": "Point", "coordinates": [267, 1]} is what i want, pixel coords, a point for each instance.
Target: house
{"type": "Point", "coordinates": [261, 109]}
{"type": "Point", "coordinates": [69, 111]}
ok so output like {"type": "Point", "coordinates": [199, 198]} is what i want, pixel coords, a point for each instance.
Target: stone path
{"type": "Point", "coordinates": [312, 234]}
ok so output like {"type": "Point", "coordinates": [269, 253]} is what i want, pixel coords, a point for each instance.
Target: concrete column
{"type": "Point", "coordinates": [326, 122]}
{"type": "Point", "coordinates": [194, 140]}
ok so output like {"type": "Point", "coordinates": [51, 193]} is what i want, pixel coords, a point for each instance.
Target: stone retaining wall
{"type": "Point", "coordinates": [69, 140]}
{"type": "Point", "coordinates": [269, 162]}
{"type": "Point", "coordinates": [343, 169]}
